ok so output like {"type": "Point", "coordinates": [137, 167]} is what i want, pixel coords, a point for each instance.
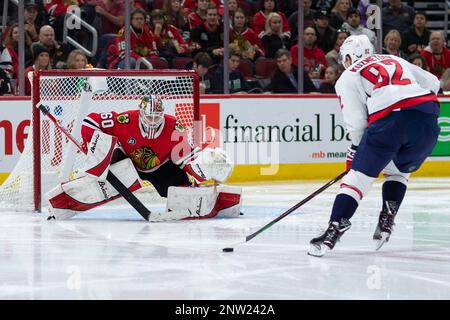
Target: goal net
{"type": "Point", "coordinates": [50, 158]}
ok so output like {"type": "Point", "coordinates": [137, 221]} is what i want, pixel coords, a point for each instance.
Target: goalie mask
{"type": "Point", "coordinates": [151, 115]}
{"type": "Point", "coordinates": [357, 47]}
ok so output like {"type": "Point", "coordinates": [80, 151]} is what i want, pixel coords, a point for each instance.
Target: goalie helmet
{"type": "Point", "coordinates": [151, 114]}
{"type": "Point", "coordinates": [357, 47]}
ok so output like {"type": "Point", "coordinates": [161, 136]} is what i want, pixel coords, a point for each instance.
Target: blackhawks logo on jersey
{"type": "Point", "coordinates": [123, 118]}
{"type": "Point", "coordinates": [145, 158]}
{"type": "Point", "coordinates": [179, 127]}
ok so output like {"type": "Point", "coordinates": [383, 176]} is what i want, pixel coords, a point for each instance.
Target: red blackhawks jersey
{"type": "Point", "coordinates": [171, 142]}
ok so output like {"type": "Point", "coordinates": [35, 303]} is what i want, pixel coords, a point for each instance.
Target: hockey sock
{"type": "Point", "coordinates": [344, 207]}
{"type": "Point", "coordinates": [393, 191]}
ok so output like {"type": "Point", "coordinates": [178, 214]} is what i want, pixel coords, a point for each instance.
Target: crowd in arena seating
{"type": "Point", "coordinates": [188, 34]}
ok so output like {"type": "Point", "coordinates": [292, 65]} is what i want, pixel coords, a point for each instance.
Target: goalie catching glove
{"type": "Point", "coordinates": [211, 164]}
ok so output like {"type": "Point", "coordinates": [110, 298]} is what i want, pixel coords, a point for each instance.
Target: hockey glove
{"type": "Point", "coordinates": [211, 164]}
{"type": "Point", "coordinates": [351, 151]}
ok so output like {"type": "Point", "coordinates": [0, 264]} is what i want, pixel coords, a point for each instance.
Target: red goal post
{"type": "Point", "coordinates": [64, 94]}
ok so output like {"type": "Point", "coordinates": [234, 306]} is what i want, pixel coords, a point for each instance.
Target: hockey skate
{"type": "Point", "coordinates": [320, 245]}
{"type": "Point", "coordinates": [385, 224]}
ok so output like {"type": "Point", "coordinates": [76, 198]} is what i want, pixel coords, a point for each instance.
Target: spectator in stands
{"type": "Point", "coordinates": [325, 33]}
{"type": "Point", "coordinates": [57, 10]}
{"type": "Point", "coordinates": [445, 82]}
{"type": "Point", "coordinates": [417, 36]}
{"type": "Point", "coordinates": [42, 61]}
{"type": "Point", "coordinates": [233, 5]}
{"type": "Point", "coordinates": [323, 5]}
{"type": "Point", "coordinates": [273, 38]}
{"type": "Point", "coordinates": [58, 51]}
{"type": "Point", "coordinates": [111, 17]}
{"type": "Point", "coordinates": [332, 56]}
{"type": "Point", "coordinates": [139, 4]}
{"type": "Point", "coordinates": [308, 19]}
{"type": "Point", "coordinates": [436, 54]}
{"type": "Point", "coordinates": [392, 43]}
{"type": "Point", "coordinates": [244, 38]}
{"type": "Point", "coordinates": [397, 16]}
{"type": "Point", "coordinates": [169, 41]}
{"type": "Point", "coordinates": [192, 5]}
{"type": "Point", "coordinates": [288, 7]}
{"type": "Point", "coordinates": [236, 81]}
{"type": "Point", "coordinates": [5, 83]}
{"type": "Point", "coordinates": [363, 6]}
{"type": "Point", "coordinates": [201, 64]}
{"type": "Point", "coordinates": [31, 24]}
{"type": "Point", "coordinates": [198, 17]}
{"type": "Point", "coordinates": [339, 13]}
{"type": "Point", "coordinates": [354, 27]}
{"type": "Point", "coordinates": [209, 36]}
{"type": "Point", "coordinates": [259, 19]}
{"type": "Point", "coordinates": [285, 77]}
{"type": "Point", "coordinates": [9, 53]}
{"type": "Point", "coordinates": [112, 13]}
{"type": "Point", "coordinates": [143, 43]}
{"type": "Point", "coordinates": [173, 11]}
{"type": "Point", "coordinates": [418, 60]}
{"type": "Point", "coordinates": [331, 76]}
{"type": "Point", "coordinates": [77, 60]}
{"type": "Point", "coordinates": [314, 62]}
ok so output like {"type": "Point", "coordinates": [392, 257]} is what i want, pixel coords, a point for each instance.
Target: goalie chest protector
{"type": "Point", "coordinates": [147, 154]}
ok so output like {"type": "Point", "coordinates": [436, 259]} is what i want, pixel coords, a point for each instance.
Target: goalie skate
{"type": "Point", "coordinates": [385, 224]}
{"type": "Point", "coordinates": [319, 246]}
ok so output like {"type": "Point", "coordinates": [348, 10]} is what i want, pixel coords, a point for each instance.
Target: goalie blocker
{"type": "Point", "coordinates": [92, 190]}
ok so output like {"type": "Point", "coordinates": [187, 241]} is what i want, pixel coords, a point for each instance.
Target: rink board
{"type": "Point", "coordinates": [269, 137]}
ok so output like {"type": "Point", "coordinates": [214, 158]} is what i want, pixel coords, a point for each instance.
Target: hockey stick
{"type": "Point", "coordinates": [289, 211]}
{"type": "Point", "coordinates": [111, 178]}
{"type": "Point", "coordinates": [298, 205]}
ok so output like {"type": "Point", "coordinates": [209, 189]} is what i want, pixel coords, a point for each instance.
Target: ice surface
{"type": "Point", "coordinates": [114, 254]}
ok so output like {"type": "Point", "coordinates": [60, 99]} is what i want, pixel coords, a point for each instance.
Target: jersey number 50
{"type": "Point", "coordinates": [378, 75]}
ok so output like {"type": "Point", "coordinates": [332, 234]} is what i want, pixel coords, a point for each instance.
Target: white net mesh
{"type": "Point", "coordinates": [70, 98]}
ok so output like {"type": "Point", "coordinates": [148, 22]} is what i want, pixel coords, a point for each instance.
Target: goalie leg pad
{"type": "Point", "coordinates": [84, 193]}
{"type": "Point", "coordinates": [229, 201]}
{"type": "Point", "coordinates": [188, 203]}
{"type": "Point", "coordinates": [99, 154]}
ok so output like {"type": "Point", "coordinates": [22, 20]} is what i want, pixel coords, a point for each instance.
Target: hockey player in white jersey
{"type": "Point", "coordinates": [390, 110]}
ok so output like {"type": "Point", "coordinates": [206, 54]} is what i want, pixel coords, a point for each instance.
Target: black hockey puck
{"type": "Point", "coordinates": [227, 249]}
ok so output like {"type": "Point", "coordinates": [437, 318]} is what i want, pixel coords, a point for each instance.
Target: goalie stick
{"type": "Point", "coordinates": [289, 211]}
{"type": "Point", "coordinates": [111, 178]}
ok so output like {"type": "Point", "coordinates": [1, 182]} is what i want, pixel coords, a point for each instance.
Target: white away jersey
{"type": "Point", "coordinates": [375, 86]}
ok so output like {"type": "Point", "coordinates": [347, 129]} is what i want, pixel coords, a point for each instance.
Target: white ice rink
{"type": "Point", "coordinates": [109, 254]}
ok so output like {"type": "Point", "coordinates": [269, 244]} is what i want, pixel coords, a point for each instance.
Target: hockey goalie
{"type": "Point", "coordinates": [147, 144]}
